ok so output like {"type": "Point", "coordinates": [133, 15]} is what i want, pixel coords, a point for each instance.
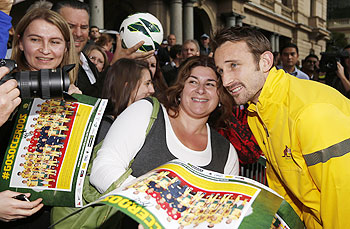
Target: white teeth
{"type": "Point", "coordinates": [199, 100]}
{"type": "Point", "coordinates": [236, 89]}
{"type": "Point", "coordinates": [41, 58]}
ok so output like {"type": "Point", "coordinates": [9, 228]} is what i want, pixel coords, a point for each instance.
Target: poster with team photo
{"type": "Point", "coordinates": [180, 195]}
{"type": "Point", "coordinates": [50, 148]}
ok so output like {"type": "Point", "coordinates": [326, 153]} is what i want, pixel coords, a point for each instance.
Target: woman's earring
{"type": "Point", "coordinates": [219, 105]}
{"type": "Point", "coordinates": [179, 99]}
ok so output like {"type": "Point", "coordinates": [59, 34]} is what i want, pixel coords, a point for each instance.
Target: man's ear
{"type": "Point", "coordinates": [266, 61]}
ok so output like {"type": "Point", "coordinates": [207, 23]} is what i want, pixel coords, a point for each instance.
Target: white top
{"type": "Point", "coordinates": [126, 137]}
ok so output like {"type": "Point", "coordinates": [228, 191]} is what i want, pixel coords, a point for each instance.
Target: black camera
{"type": "Point", "coordinates": [45, 83]}
{"type": "Point", "coordinates": [328, 62]}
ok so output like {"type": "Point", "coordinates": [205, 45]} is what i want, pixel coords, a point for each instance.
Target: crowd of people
{"type": "Point", "coordinates": [221, 106]}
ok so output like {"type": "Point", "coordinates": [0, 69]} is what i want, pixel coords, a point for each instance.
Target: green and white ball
{"type": "Point", "coordinates": [141, 27]}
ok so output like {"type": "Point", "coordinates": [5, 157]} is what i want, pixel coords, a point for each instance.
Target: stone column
{"type": "Point", "coordinates": [176, 19]}
{"type": "Point", "coordinates": [273, 43]}
{"type": "Point", "coordinates": [277, 42]}
{"type": "Point", "coordinates": [188, 20]}
{"type": "Point", "coordinates": [96, 17]}
{"type": "Point", "coordinates": [239, 20]}
{"type": "Point", "coordinates": [155, 7]}
{"type": "Point", "coordinates": [231, 21]}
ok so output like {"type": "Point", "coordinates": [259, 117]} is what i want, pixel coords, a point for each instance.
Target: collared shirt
{"type": "Point", "coordinates": [297, 73]}
{"type": "Point", "coordinates": [85, 66]}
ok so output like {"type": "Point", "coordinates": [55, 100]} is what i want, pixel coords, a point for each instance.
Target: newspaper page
{"type": "Point", "coordinates": [180, 195]}
{"type": "Point", "coordinates": [50, 148]}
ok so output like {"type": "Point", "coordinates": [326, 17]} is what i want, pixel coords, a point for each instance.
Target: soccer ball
{"type": "Point", "coordinates": [141, 27]}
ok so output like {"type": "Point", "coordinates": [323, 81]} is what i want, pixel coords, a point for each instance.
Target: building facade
{"type": "Point", "coordinates": [339, 17]}
{"type": "Point", "coordinates": [302, 22]}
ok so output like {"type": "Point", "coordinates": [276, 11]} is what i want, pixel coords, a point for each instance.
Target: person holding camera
{"type": "Point", "coordinates": [343, 74]}
{"type": "Point", "coordinates": [11, 208]}
{"type": "Point", "coordinates": [43, 40]}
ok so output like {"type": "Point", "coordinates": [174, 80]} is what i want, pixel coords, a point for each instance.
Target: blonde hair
{"type": "Point", "coordinates": [69, 57]}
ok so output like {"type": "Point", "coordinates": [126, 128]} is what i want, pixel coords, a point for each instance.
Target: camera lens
{"type": "Point", "coordinates": [45, 84]}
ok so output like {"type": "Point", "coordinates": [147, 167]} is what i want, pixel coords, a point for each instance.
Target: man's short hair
{"type": "Point", "coordinates": [311, 56]}
{"type": "Point", "coordinates": [71, 4]}
{"type": "Point", "coordinates": [94, 27]}
{"type": "Point", "coordinates": [289, 45]}
{"type": "Point", "coordinates": [256, 41]}
{"type": "Point", "coordinates": [176, 49]}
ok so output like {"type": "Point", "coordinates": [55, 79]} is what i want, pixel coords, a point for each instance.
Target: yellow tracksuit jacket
{"type": "Point", "coordinates": [303, 128]}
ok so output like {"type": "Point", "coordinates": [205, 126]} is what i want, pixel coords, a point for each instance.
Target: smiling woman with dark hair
{"type": "Point", "coordinates": [180, 130]}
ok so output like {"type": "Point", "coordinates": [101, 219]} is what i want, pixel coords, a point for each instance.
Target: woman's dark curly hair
{"type": "Point", "coordinates": [220, 116]}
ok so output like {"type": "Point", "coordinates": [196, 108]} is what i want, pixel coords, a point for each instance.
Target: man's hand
{"type": "Point", "coordinates": [9, 96]}
{"type": "Point", "coordinates": [5, 6]}
{"type": "Point", "coordinates": [12, 209]}
{"type": "Point", "coordinates": [340, 70]}
{"type": "Point", "coordinates": [129, 53]}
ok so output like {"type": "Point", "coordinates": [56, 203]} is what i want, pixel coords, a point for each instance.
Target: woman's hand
{"type": "Point", "coordinates": [12, 209]}
{"type": "Point", "coordinates": [74, 90]}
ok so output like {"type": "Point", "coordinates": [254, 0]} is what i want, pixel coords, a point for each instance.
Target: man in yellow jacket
{"type": "Point", "coordinates": [303, 128]}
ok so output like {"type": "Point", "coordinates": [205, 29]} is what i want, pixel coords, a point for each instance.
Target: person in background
{"type": "Point", "coordinates": [241, 137]}
{"type": "Point", "coordinates": [94, 33]}
{"type": "Point", "coordinates": [289, 59]}
{"type": "Point", "coordinates": [276, 58]}
{"type": "Point", "coordinates": [190, 48]}
{"type": "Point", "coordinates": [164, 44]}
{"type": "Point", "coordinates": [76, 14]}
{"type": "Point", "coordinates": [163, 53]}
{"type": "Point", "coordinates": [180, 130]}
{"type": "Point", "coordinates": [342, 82]}
{"type": "Point", "coordinates": [204, 46]}
{"type": "Point", "coordinates": [159, 84]}
{"type": "Point", "coordinates": [310, 66]}
{"type": "Point", "coordinates": [302, 127]}
{"type": "Point", "coordinates": [170, 69]}
{"type": "Point", "coordinates": [97, 56]}
{"type": "Point", "coordinates": [127, 81]}
{"type": "Point", "coordinates": [106, 43]}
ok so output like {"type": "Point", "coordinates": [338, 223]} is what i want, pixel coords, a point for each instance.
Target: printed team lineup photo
{"type": "Point", "coordinates": [174, 114]}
